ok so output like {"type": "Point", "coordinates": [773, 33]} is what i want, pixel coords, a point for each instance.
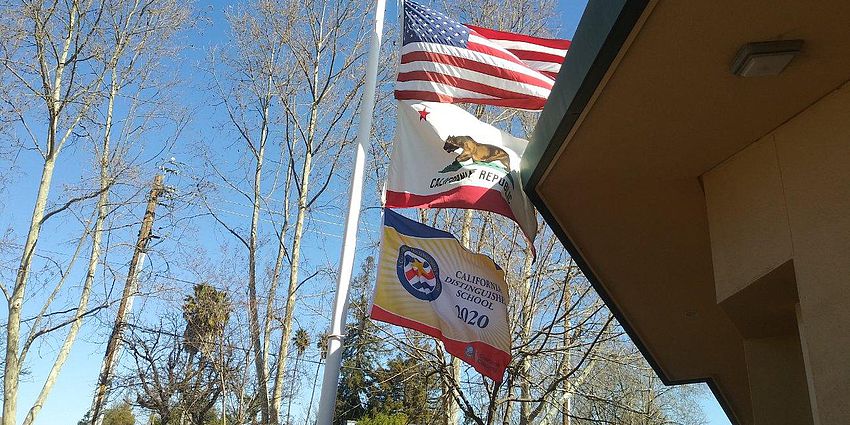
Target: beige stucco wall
{"type": "Point", "coordinates": [774, 380]}
{"type": "Point", "coordinates": [787, 197]}
{"type": "Point", "coordinates": [748, 218]}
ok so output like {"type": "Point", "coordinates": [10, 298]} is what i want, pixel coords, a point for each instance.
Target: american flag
{"type": "Point", "coordinates": [445, 61]}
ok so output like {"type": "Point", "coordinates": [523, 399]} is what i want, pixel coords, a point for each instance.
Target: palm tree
{"type": "Point", "coordinates": [207, 312]}
{"type": "Point", "coordinates": [301, 339]}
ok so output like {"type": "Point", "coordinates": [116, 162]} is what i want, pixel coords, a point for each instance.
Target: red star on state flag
{"type": "Point", "coordinates": [423, 114]}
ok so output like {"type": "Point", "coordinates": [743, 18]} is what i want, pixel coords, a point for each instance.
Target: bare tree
{"type": "Point", "coordinates": [247, 91]}
{"type": "Point", "coordinates": [46, 53]}
{"type": "Point", "coordinates": [290, 82]}
{"type": "Point", "coordinates": [169, 376]}
{"type": "Point", "coordinates": [326, 46]}
{"type": "Point", "coordinates": [76, 58]}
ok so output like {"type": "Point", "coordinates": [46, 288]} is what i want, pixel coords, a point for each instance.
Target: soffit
{"type": "Point", "coordinates": [625, 187]}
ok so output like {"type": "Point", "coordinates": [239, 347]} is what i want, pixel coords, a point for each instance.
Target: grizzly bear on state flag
{"type": "Point", "coordinates": [478, 152]}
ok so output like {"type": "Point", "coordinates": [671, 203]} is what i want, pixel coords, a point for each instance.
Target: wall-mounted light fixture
{"type": "Point", "coordinates": [765, 58]}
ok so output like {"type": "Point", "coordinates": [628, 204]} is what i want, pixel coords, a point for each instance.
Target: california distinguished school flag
{"type": "Point", "coordinates": [444, 157]}
{"type": "Point", "coordinates": [427, 281]}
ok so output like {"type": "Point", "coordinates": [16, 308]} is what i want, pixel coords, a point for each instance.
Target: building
{"type": "Point", "coordinates": [710, 206]}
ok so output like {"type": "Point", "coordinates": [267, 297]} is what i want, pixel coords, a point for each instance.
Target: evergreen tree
{"type": "Point", "coordinates": [121, 414]}
{"type": "Point", "coordinates": [405, 386]}
{"type": "Point", "coordinates": [384, 419]}
{"type": "Point", "coordinates": [372, 388]}
{"type": "Point", "coordinates": [360, 351]}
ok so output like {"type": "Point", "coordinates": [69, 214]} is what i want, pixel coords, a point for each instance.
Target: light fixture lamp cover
{"type": "Point", "coordinates": [765, 58]}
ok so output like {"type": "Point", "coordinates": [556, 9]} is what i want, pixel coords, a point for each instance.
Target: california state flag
{"type": "Point", "coordinates": [444, 157]}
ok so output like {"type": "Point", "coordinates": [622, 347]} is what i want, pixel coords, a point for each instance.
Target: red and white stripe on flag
{"type": "Point", "coordinates": [444, 157]}
{"type": "Point", "coordinates": [445, 61]}
{"type": "Point", "coordinates": [544, 55]}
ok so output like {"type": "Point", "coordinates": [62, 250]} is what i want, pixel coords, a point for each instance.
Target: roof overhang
{"type": "Point", "coordinates": [645, 106]}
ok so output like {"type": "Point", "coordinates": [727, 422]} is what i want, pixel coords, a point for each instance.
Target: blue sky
{"type": "Point", "coordinates": [72, 394]}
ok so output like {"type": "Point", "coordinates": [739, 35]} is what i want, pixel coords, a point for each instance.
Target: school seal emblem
{"type": "Point", "coordinates": [418, 273]}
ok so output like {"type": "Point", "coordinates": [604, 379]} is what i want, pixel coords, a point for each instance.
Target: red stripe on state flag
{"type": "Point", "coordinates": [471, 197]}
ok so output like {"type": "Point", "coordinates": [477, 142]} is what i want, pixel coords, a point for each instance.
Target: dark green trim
{"type": "Point", "coordinates": [604, 28]}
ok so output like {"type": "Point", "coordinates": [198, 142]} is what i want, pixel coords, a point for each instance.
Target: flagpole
{"type": "Point", "coordinates": [330, 380]}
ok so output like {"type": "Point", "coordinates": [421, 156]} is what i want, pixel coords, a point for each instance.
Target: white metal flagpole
{"type": "Point", "coordinates": [330, 380]}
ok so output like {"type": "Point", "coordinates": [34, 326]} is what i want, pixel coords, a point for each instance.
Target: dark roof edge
{"type": "Point", "coordinates": [604, 28]}
{"type": "Point", "coordinates": [623, 322]}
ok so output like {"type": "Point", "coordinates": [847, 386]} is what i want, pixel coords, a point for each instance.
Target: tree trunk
{"type": "Point", "coordinates": [221, 377]}
{"type": "Point", "coordinates": [313, 392]}
{"type": "Point", "coordinates": [289, 307]}
{"type": "Point", "coordinates": [527, 319]}
{"type": "Point", "coordinates": [509, 406]}
{"type": "Point", "coordinates": [567, 400]}
{"type": "Point", "coordinates": [278, 266]}
{"type": "Point", "coordinates": [292, 389]}
{"type": "Point", "coordinates": [94, 259]}
{"type": "Point", "coordinates": [303, 192]}
{"type": "Point", "coordinates": [12, 369]}
{"type": "Point", "coordinates": [262, 380]}
{"type": "Point", "coordinates": [491, 408]}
